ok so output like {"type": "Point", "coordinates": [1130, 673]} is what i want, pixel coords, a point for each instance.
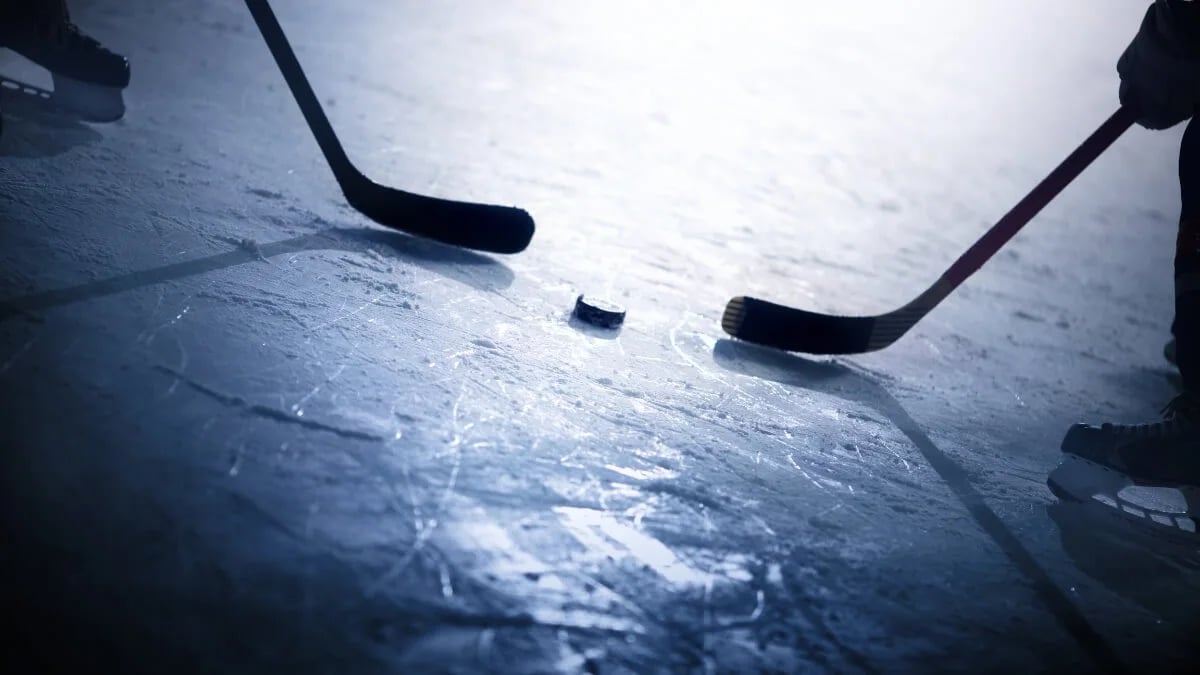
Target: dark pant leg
{"type": "Point", "coordinates": [24, 14]}
{"type": "Point", "coordinates": [1187, 261]}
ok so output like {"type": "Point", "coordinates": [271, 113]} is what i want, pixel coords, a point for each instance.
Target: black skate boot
{"type": "Point", "coordinates": [1101, 461]}
{"type": "Point", "coordinates": [88, 78]}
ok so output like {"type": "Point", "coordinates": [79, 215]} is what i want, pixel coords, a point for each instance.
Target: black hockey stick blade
{"type": "Point", "coordinates": [797, 330]}
{"type": "Point", "coordinates": [483, 227]}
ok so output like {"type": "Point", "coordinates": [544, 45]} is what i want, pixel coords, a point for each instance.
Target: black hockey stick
{"type": "Point", "coordinates": [797, 330]}
{"type": "Point", "coordinates": [484, 227]}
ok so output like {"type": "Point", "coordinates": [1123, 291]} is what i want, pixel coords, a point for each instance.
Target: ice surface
{"type": "Point", "coordinates": [246, 429]}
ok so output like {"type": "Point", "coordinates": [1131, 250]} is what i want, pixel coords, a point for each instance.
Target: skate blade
{"type": "Point", "coordinates": [1100, 522]}
{"type": "Point", "coordinates": [1185, 521]}
{"type": "Point", "coordinates": [91, 102]}
{"type": "Point", "coordinates": [1081, 481]}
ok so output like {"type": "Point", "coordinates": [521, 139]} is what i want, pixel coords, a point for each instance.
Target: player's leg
{"type": "Point", "coordinates": [1104, 459]}
{"type": "Point", "coordinates": [1187, 262]}
{"type": "Point", "coordinates": [88, 77]}
{"type": "Point", "coordinates": [25, 15]}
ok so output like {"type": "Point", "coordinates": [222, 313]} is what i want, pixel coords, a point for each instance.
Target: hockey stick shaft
{"type": "Point", "coordinates": [484, 227]}
{"type": "Point", "coordinates": [771, 324]}
{"type": "Point", "coordinates": [343, 170]}
{"type": "Point", "coordinates": [1033, 203]}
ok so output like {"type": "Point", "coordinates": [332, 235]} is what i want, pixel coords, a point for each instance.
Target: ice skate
{"type": "Point", "coordinates": [1100, 462]}
{"type": "Point", "coordinates": [88, 78]}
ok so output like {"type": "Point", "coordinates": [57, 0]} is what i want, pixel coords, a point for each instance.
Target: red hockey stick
{"type": "Point", "coordinates": [797, 330]}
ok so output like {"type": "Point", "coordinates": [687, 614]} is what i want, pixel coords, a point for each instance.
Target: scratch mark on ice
{"type": "Point", "coordinates": [805, 473]}
{"type": "Point", "coordinates": [235, 467]}
{"type": "Point", "coordinates": [298, 406]}
{"type": "Point", "coordinates": [889, 448]}
{"type": "Point", "coordinates": [427, 526]}
{"type": "Point", "coordinates": [347, 315]}
{"type": "Point", "coordinates": [759, 607]}
{"type": "Point", "coordinates": [183, 362]}
{"type": "Point", "coordinates": [148, 336]}
{"type": "Point", "coordinates": [268, 412]}
{"type": "Point", "coordinates": [13, 359]}
{"type": "Point", "coordinates": [447, 588]}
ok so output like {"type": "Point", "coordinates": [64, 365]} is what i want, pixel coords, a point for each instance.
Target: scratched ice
{"type": "Point", "coordinates": [295, 441]}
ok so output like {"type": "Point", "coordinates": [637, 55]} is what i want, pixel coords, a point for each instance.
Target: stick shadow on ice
{"type": "Point", "coordinates": [473, 269]}
{"type": "Point", "coordinates": [840, 381]}
{"type": "Point", "coordinates": [35, 126]}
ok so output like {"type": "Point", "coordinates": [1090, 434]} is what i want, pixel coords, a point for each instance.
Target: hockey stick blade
{"type": "Point", "coordinates": [797, 330]}
{"type": "Point", "coordinates": [483, 227]}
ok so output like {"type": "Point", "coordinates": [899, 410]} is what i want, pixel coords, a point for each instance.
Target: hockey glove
{"type": "Point", "coordinates": [1160, 70]}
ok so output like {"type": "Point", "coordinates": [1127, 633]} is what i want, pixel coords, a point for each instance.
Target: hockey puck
{"type": "Point", "coordinates": [599, 312]}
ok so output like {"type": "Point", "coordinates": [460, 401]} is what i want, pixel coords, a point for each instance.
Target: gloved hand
{"type": "Point", "coordinates": [1160, 70]}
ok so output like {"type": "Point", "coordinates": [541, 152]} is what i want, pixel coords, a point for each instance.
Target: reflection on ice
{"type": "Point", "coordinates": [655, 473]}
{"type": "Point", "coordinates": [603, 534]}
